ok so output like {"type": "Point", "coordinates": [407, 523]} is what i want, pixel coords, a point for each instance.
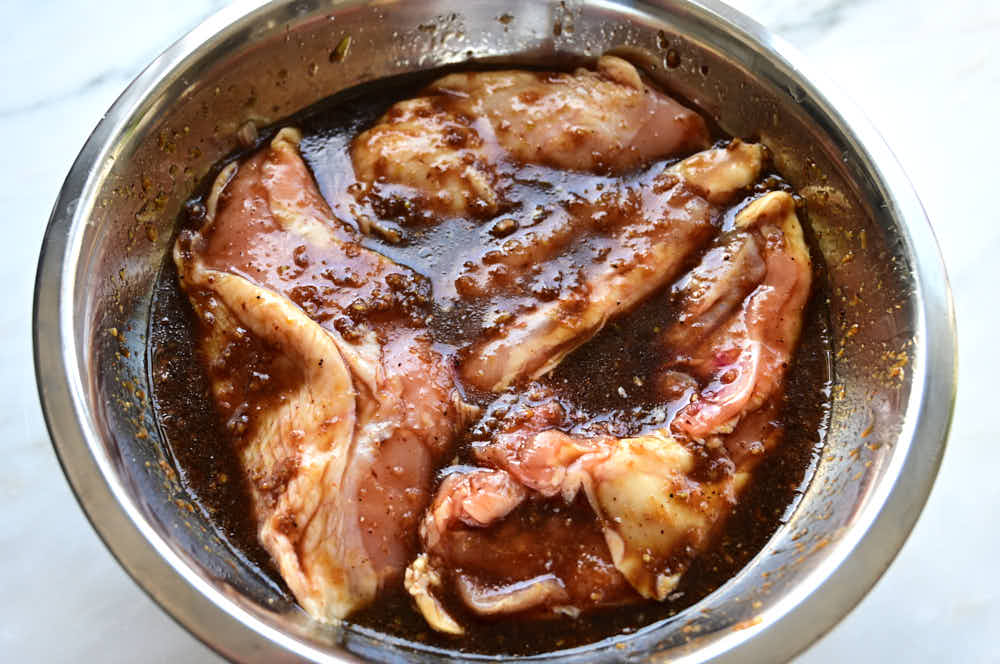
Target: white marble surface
{"type": "Point", "coordinates": [927, 73]}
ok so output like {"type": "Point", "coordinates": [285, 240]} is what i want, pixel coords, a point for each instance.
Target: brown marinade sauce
{"type": "Point", "coordinates": [195, 431]}
{"type": "Point", "coordinates": [619, 356]}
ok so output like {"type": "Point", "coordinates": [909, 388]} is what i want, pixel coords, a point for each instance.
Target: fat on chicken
{"type": "Point", "coordinates": [741, 315]}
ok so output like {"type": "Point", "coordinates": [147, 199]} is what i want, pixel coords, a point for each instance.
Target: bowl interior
{"type": "Point", "coordinates": [266, 63]}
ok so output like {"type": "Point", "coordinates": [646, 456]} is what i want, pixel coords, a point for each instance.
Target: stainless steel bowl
{"type": "Point", "coordinates": [111, 226]}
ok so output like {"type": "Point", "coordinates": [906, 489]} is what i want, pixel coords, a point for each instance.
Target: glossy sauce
{"type": "Point", "coordinates": [608, 383]}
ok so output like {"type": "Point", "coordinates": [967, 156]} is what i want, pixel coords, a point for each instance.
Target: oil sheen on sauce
{"type": "Point", "coordinates": [604, 380]}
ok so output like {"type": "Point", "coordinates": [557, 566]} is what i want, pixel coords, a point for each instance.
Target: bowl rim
{"type": "Point", "coordinates": [809, 610]}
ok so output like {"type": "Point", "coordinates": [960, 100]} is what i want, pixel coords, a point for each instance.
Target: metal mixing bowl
{"type": "Point", "coordinates": [111, 226]}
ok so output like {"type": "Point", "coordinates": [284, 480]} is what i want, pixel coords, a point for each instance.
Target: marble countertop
{"type": "Point", "coordinates": [926, 72]}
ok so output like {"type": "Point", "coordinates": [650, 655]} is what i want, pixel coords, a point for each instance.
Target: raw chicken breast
{"type": "Point", "coordinates": [641, 244]}
{"type": "Point", "coordinates": [448, 146]}
{"type": "Point", "coordinates": [320, 365]}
